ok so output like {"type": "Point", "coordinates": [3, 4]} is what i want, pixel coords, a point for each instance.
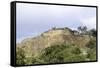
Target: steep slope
{"type": "Point", "coordinates": [58, 36]}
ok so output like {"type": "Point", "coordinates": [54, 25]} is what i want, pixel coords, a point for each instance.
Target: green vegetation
{"type": "Point", "coordinates": [61, 54]}
{"type": "Point", "coordinates": [92, 52]}
{"type": "Point", "coordinates": [57, 54]}
{"type": "Point", "coordinates": [20, 57]}
{"type": "Point", "coordinates": [91, 44]}
{"type": "Point", "coordinates": [70, 48]}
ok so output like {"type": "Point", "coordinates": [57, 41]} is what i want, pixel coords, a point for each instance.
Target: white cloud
{"type": "Point", "coordinates": [89, 22]}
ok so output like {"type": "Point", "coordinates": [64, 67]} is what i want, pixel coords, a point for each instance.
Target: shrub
{"type": "Point", "coordinates": [20, 56]}
{"type": "Point", "coordinates": [91, 44]}
{"type": "Point", "coordinates": [61, 54]}
{"type": "Point", "coordinates": [92, 54]}
{"type": "Point", "coordinates": [76, 50]}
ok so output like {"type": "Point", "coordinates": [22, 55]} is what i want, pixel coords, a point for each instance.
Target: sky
{"type": "Point", "coordinates": [34, 19]}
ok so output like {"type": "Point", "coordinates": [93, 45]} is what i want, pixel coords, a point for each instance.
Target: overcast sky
{"type": "Point", "coordinates": [33, 19]}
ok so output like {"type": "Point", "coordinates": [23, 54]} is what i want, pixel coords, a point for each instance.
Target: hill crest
{"type": "Point", "coordinates": [54, 36]}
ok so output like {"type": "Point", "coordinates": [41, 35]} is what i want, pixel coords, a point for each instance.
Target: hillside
{"type": "Point", "coordinates": [55, 38]}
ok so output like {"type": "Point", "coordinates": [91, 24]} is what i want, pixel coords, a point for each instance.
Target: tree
{"type": "Point", "coordinates": [54, 28]}
{"type": "Point", "coordinates": [93, 32]}
{"type": "Point", "coordinates": [82, 29]}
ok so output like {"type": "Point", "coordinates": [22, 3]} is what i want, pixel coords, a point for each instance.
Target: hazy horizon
{"type": "Point", "coordinates": [33, 19]}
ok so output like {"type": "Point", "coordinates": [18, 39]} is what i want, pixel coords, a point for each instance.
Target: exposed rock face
{"type": "Point", "coordinates": [50, 38]}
